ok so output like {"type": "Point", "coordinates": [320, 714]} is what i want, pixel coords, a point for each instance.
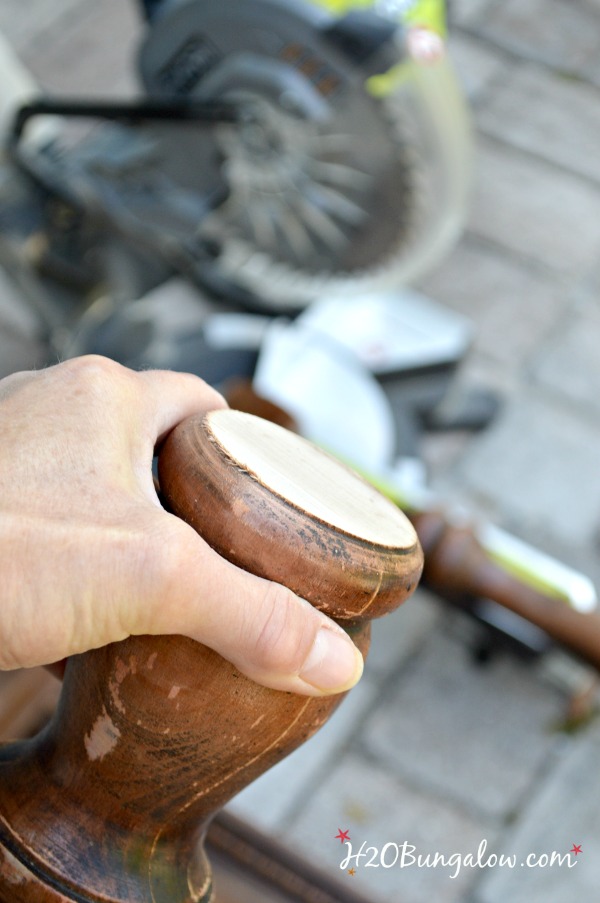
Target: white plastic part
{"type": "Point", "coordinates": [393, 331]}
{"type": "Point", "coordinates": [337, 403]}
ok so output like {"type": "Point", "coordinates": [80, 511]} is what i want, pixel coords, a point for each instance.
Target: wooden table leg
{"type": "Point", "coordinates": [112, 800]}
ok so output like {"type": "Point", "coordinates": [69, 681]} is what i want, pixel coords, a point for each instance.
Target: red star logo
{"type": "Point", "coordinates": [342, 835]}
{"type": "Point", "coordinates": [352, 872]}
{"type": "Point", "coordinates": [576, 849]}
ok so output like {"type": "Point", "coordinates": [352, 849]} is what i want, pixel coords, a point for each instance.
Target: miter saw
{"type": "Point", "coordinates": [285, 157]}
{"type": "Point", "coordinates": [281, 149]}
{"type": "Point", "coordinates": [282, 153]}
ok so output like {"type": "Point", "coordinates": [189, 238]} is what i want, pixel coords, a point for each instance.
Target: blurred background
{"type": "Point", "coordinates": [469, 377]}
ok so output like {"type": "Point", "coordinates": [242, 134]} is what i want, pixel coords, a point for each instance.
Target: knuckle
{"type": "Point", "coordinates": [91, 366]}
{"type": "Point", "coordinates": [93, 373]}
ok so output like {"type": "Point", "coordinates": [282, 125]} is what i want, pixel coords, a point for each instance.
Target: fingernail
{"type": "Point", "coordinates": [334, 662]}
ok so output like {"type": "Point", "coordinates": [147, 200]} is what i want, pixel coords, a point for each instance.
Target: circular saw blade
{"type": "Point", "coordinates": [320, 187]}
{"type": "Point", "coordinates": [311, 201]}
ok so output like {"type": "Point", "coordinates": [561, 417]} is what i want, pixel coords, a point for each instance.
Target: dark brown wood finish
{"type": "Point", "coordinates": [457, 566]}
{"type": "Point", "coordinates": [249, 865]}
{"type": "Point", "coordinates": [153, 735]}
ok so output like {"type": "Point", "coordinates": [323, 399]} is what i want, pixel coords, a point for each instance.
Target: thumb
{"type": "Point", "coordinates": [271, 635]}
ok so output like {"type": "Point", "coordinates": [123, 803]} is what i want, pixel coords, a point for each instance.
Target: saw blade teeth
{"type": "Point", "coordinates": [328, 143]}
{"type": "Point", "coordinates": [340, 205]}
{"type": "Point", "coordinates": [262, 224]}
{"type": "Point", "coordinates": [340, 174]}
{"type": "Point", "coordinates": [294, 221]}
{"type": "Point", "coordinates": [298, 238]}
{"type": "Point", "coordinates": [319, 222]}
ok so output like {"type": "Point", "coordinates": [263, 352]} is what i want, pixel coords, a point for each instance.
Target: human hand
{"type": "Point", "coordinates": [88, 556]}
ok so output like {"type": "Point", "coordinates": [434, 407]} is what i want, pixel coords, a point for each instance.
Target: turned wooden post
{"type": "Point", "coordinates": [457, 566]}
{"type": "Point", "coordinates": [153, 735]}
